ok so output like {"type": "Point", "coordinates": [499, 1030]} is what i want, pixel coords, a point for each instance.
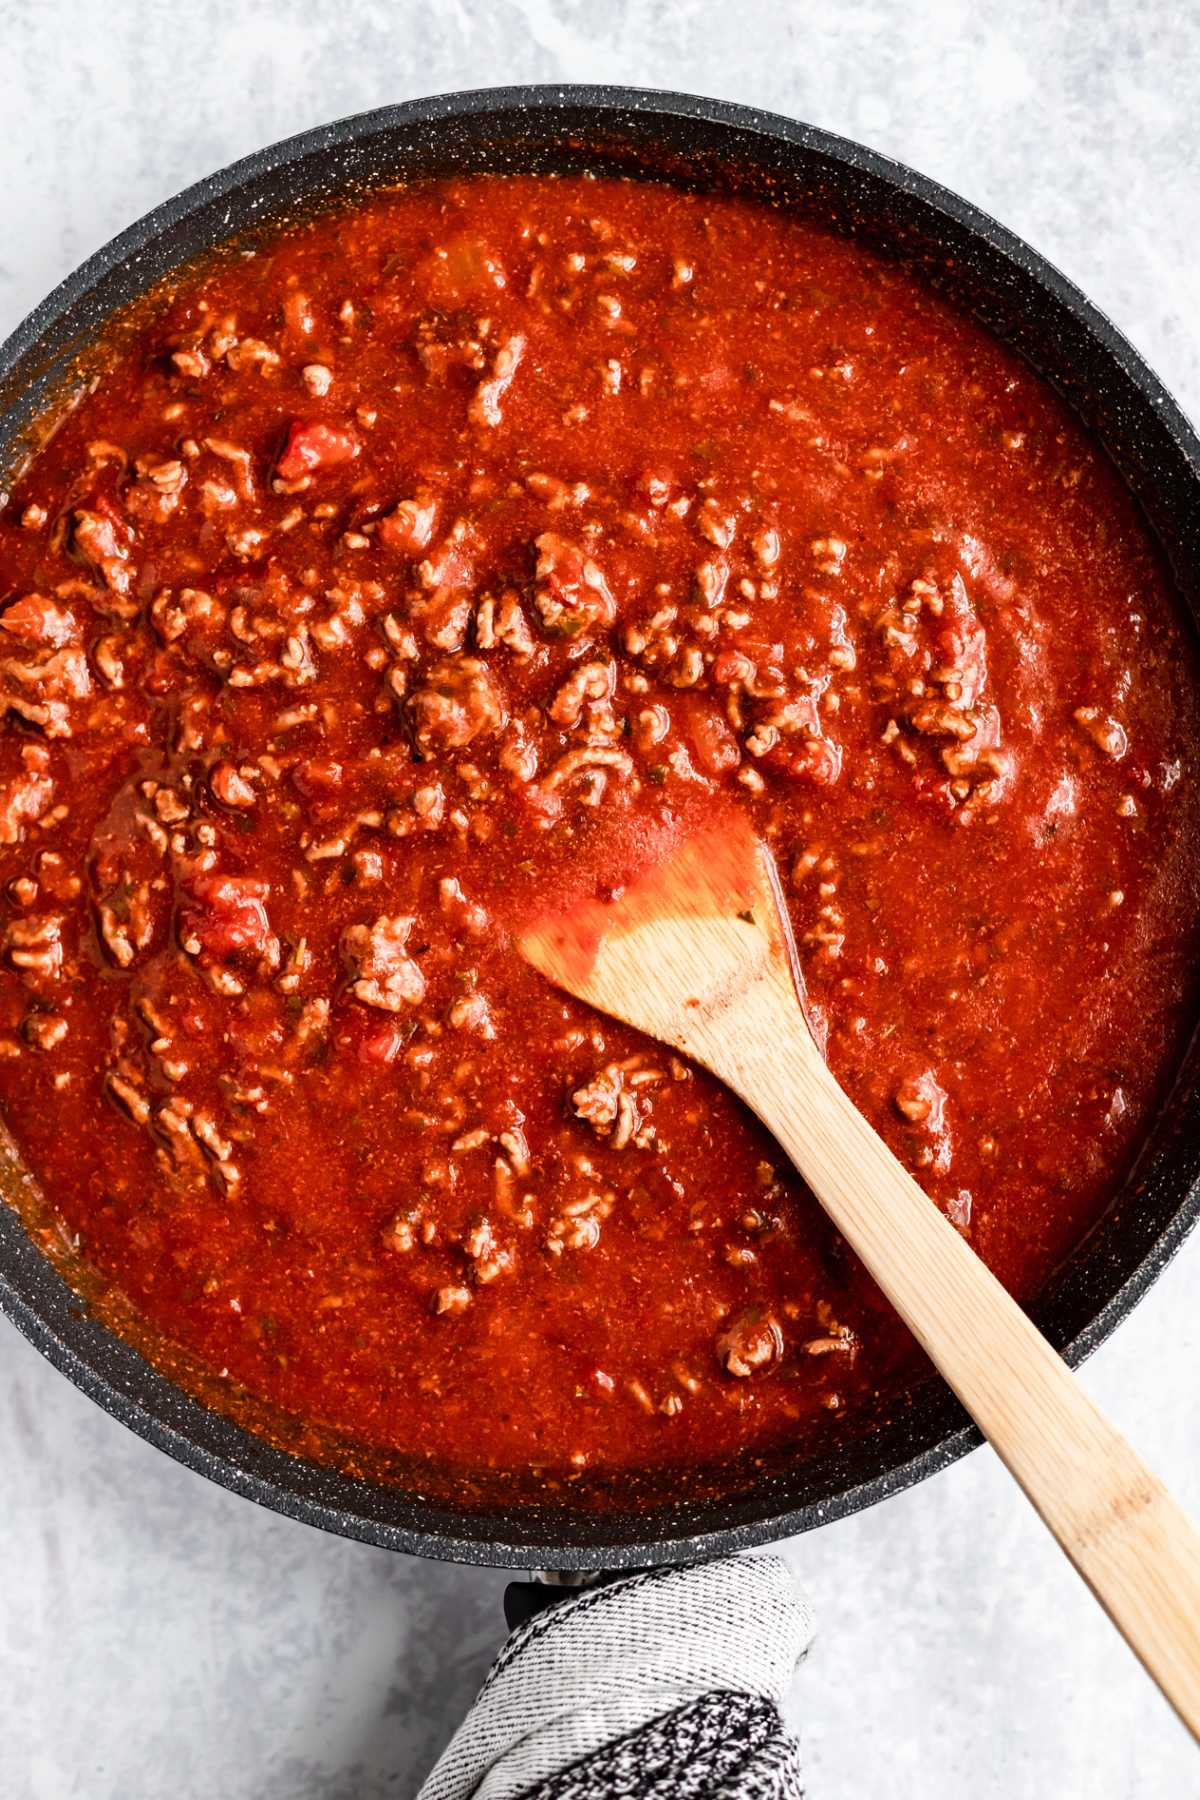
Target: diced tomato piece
{"type": "Point", "coordinates": [312, 446]}
{"type": "Point", "coordinates": [715, 745]}
{"type": "Point", "coordinates": [409, 528]}
{"type": "Point", "coordinates": [228, 914]}
{"type": "Point", "coordinates": [375, 1038]}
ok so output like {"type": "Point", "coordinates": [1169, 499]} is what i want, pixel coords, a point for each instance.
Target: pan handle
{"type": "Point", "coordinates": [525, 1599]}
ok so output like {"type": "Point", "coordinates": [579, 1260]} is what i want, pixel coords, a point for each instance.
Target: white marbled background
{"type": "Point", "coordinates": [162, 1640]}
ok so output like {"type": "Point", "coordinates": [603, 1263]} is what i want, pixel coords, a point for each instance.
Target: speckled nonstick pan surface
{"type": "Point", "coordinates": [672, 1517]}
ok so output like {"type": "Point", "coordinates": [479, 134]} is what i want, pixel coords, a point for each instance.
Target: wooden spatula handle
{"type": "Point", "coordinates": [1132, 1544]}
{"type": "Point", "coordinates": [696, 952]}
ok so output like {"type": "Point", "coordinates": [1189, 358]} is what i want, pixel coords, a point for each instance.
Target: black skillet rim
{"type": "Point", "coordinates": [53, 1319]}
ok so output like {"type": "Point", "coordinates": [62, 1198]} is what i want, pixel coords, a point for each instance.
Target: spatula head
{"type": "Point", "coordinates": [684, 940]}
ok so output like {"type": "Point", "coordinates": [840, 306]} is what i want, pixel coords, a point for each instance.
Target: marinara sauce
{"type": "Point", "coordinates": [398, 561]}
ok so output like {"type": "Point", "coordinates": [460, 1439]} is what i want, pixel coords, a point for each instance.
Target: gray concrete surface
{"type": "Point", "coordinates": [160, 1640]}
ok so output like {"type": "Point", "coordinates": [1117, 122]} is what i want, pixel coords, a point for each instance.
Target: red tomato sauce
{"type": "Point", "coordinates": [393, 566]}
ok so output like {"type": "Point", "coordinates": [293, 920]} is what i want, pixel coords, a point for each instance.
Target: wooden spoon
{"type": "Point", "coordinates": [698, 952]}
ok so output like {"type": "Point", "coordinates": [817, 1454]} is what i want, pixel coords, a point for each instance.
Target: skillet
{"type": "Point", "coordinates": [683, 1515]}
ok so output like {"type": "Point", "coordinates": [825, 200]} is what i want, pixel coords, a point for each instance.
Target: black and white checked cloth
{"type": "Point", "coordinates": [662, 1686]}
